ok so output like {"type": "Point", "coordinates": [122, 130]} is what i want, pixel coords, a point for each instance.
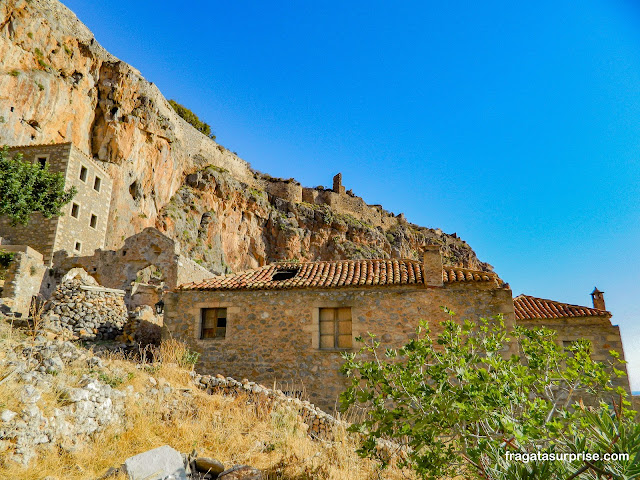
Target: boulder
{"type": "Point", "coordinates": [162, 463]}
{"type": "Point", "coordinates": [209, 465]}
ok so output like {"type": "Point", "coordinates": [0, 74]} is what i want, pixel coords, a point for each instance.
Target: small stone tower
{"type": "Point", "coordinates": [598, 299]}
{"type": "Point", "coordinates": [337, 184]}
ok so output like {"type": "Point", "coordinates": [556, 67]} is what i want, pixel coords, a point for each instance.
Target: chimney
{"type": "Point", "coordinates": [432, 265]}
{"type": "Point", "coordinates": [598, 299]}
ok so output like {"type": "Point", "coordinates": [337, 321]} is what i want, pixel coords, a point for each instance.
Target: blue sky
{"type": "Point", "coordinates": [515, 125]}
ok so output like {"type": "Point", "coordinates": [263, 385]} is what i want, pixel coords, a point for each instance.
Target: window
{"type": "Point", "coordinates": [96, 183]}
{"type": "Point", "coordinates": [75, 210]}
{"type": "Point", "coordinates": [78, 247]}
{"type": "Point", "coordinates": [93, 222]}
{"type": "Point", "coordinates": [83, 174]}
{"type": "Point", "coordinates": [42, 161]}
{"type": "Point", "coordinates": [214, 323]}
{"type": "Point", "coordinates": [335, 328]}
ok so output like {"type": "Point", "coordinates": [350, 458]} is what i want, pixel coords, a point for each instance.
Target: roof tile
{"type": "Point", "coordinates": [527, 307]}
{"type": "Point", "coordinates": [334, 274]}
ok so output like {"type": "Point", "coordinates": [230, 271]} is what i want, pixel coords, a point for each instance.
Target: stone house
{"type": "Point", "coordinates": [574, 322]}
{"type": "Point", "coordinates": [289, 323]}
{"type": "Point", "coordinates": [82, 229]}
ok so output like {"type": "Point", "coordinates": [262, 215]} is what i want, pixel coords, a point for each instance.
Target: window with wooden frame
{"type": "Point", "coordinates": [213, 323]}
{"type": "Point", "coordinates": [335, 328]}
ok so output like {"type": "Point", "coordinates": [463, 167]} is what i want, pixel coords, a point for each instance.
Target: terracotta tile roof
{"type": "Point", "coordinates": [39, 145]}
{"type": "Point", "coordinates": [335, 274]}
{"type": "Point", "coordinates": [527, 307]}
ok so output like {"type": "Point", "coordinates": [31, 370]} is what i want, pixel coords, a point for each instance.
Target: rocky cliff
{"type": "Point", "coordinates": [57, 84]}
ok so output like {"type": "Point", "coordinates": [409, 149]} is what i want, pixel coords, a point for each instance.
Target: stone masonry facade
{"type": "Point", "coordinates": [82, 228]}
{"type": "Point", "coordinates": [273, 334]}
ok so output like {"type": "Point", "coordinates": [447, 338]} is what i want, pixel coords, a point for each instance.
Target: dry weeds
{"type": "Point", "coordinates": [229, 429]}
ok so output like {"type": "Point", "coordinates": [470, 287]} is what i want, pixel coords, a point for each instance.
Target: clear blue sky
{"type": "Point", "coordinates": [515, 125]}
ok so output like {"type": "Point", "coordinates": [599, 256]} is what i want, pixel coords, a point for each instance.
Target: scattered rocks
{"type": "Point", "coordinates": [82, 410]}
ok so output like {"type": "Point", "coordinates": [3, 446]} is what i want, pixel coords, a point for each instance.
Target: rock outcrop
{"type": "Point", "coordinates": [58, 84]}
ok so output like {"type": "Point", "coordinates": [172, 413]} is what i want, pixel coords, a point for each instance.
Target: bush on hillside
{"type": "Point", "coordinates": [192, 118]}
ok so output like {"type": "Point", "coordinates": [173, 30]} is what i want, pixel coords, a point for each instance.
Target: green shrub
{"type": "Point", "coordinates": [192, 118]}
{"type": "Point", "coordinates": [27, 187]}
{"type": "Point", "coordinates": [459, 403]}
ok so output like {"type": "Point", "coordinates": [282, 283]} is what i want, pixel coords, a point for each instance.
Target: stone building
{"type": "Point", "coordinates": [574, 322]}
{"type": "Point", "coordinates": [83, 227]}
{"type": "Point", "coordinates": [289, 323]}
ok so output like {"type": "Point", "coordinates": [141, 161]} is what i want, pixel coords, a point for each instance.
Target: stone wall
{"type": "Point", "coordinates": [65, 232]}
{"type": "Point", "coordinates": [23, 278]}
{"type": "Point", "coordinates": [86, 311]}
{"type": "Point", "coordinates": [350, 204]}
{"type": "Point", "coordinates": [289, 190]}
{"type": "Point", "coordinates": [597, 329]}
{"type": "Point", "coordinates": [274, 335]}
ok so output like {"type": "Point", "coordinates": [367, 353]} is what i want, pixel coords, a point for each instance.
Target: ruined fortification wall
{"type": "Point", "coordinates": [289, 190]}
{"type": "Point", "coordinates": [344, 203]}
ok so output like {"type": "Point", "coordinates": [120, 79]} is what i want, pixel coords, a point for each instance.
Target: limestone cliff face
{"type": "Point", "coordinates": [57, 84]}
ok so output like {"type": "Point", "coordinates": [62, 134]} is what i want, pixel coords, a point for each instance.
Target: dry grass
{"type": "Point", "coordinates": [229, 429]}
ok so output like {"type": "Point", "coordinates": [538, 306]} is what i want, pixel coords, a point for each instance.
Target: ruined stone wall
{"type": "Point", "coordinates": [274, 335]}
{"type": "Point", "coordinates": [343, 203]}
{"type": "Point", "coordinates": [85, 232]}
{"type": "Point", "coordinates": [598, 330]}
{"type": "Point", "coordinates": [119, 268]}
{"type": "Point", "coordinates": [23, 278]}
{"type": "Point", "coordinates": [289, 190]}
